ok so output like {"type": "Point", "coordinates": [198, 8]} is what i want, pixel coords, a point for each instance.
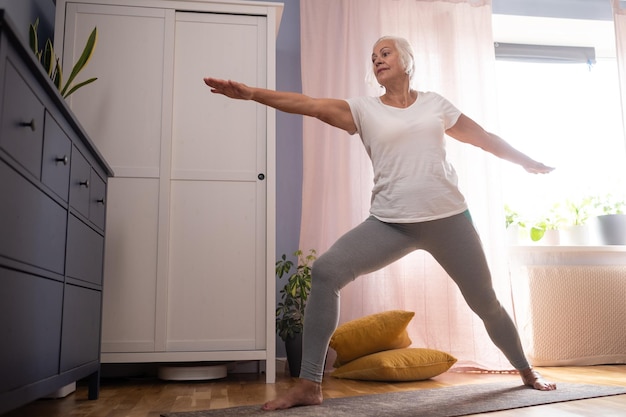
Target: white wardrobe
{"type": "Point", "coordinates": [190, 251]}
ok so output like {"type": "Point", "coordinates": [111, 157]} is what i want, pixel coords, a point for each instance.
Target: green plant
{"type": "Point", "coordinates": [578, 212]}
{"type": "Point", "coordinates": [610, 204]}
{"type": "Point", "coordinates": [294, 295]}
{"type": "Point", "coordinates": [52, 65]}
{"type": "Point", "coordinates": [552, 221]}
{"type": "Point", "coordinates": [512, 217]}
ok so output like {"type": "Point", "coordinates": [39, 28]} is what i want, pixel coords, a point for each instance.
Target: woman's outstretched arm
{"type": "Point", "coordinates": [468, 131]}
{"type": "Point", "coordinates": [335, 112]}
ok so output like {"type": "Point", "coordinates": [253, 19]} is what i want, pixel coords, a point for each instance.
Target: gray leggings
{"type": "Point", "coordinates": [372, 245]}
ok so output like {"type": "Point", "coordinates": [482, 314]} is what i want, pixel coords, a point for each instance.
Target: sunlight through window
{"type": "Point", "coordinates": [567, 115]}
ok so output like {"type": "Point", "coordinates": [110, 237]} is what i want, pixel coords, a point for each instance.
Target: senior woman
{"type": "Point", "coordinates": [416, 204]}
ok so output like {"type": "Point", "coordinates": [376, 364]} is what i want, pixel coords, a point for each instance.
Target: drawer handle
{"type": "Point", "coordinates": [100, 201]}
{"type": "Point", "coordinates": [63, 159]}
{"type": "Point", "coordinates": [30, 124]}
{"type": "Point", "coordinates": [84, 183]}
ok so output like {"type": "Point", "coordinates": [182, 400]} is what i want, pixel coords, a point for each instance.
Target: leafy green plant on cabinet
{"type": "Point", "coordinates": [52, 65]}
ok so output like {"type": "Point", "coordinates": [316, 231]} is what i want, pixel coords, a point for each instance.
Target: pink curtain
{"type": "Point", "coordinates": [454, 53]}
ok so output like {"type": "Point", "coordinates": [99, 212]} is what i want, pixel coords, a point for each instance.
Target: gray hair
{"type": "Point", "coordinates": [406, 54]}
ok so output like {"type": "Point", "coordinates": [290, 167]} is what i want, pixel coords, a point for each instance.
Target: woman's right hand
{"type": "Point", "coordinates": [335, 112]}
{"type": "Point", "coordinates": [229, 88]}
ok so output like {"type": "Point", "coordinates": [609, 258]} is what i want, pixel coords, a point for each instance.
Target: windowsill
{"type": "Point", "coordinates": [567, 255]}
{"type": "Point", "coordinates": [564, 248]}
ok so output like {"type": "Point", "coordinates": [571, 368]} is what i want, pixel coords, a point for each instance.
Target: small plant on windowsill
{"type": "Point", "coordinates": [610, 204]}
{"type": "Point", "coordinates": [579, 211]}
{"type": "Point", "coordinates": [550, 223]}
{"type": "Point", "coordinates": [515, 226]}
{"type": "Point", "coordinates": [512, 217]}
{"type": "Point", "coordinates": [52, 65]}
{"type": "Point", "coordinates": [540, 227]}
{"type": "Point", "coordinates": [575, 229]}
{"type": "Point", "coordinates": [611, 219]}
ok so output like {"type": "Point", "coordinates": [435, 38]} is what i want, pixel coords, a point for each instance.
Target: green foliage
{"type": "Point", "coordinates": [512, 217]}
{"type": "Point", "coordinates": [610, 204]}
{"type": "Point", "coordinates": [538, 230]}
{"type": "Point", "coordinates": [52, 65]}
{"type": "Point", "coordinates": [579, 211]}
{"type": "Point", "coordinates": [572, 212]}
{"type": "Point", "coordinates": [553, 221]}
{"type": "Point", "coordinates": [294, 295]}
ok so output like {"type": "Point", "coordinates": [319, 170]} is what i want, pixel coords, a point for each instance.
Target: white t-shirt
{"type": "Point", "coordinates": [413, 181]}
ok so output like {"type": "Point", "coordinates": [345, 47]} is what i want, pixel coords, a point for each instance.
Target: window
{"type": "Point", "coordinates": [567, 115]}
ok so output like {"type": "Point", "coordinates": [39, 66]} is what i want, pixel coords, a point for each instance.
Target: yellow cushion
{"type": "Point", "coordinates": [371, 334]}
{"type": "Point", "coordinates": [413, 364]}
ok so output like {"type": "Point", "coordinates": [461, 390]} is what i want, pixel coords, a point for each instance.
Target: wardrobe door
{"type": "Point", "coordinates": [217, 279]}
{"type": "Point", "coordinates": [123, 113]}
{"type": "Point", "coordinates": [130, 282]}
{"type": "Point", "coordinates": [123, 108]}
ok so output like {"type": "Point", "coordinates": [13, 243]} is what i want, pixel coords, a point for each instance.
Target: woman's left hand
{"type": "Point", "coordinates": [538, 168]}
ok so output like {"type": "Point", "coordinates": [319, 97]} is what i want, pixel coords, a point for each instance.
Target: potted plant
{"type": "Point", "coordinates": [52, 66]}
{"type": "Point", "coordinates": [546, 229]}
{"type": "Point", "coordinates": [514, 225]}
{"type": "Point", "coordinates": [290, 309]}
{"type": "Point", "coordinates": [575, 231]}
{"type": "Point", "coordinates": [611, 220]}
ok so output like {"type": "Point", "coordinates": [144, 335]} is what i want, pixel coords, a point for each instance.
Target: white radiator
{"type": "Point", "coordinates": [572, 315]}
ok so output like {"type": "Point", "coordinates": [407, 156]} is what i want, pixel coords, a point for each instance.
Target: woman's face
{"type": "Point", "coordinates": [386, 62]}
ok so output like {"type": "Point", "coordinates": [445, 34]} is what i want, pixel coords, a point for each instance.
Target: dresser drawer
{"type": "Point", "coordinates": [30, 325]}
{"type": "Point", "coordinates": [97, 200]}
{"type": "Point", "coordinates": [81, 327]}
{"type": "Point", "coordinates": [85, 252]}
{"type": "Point", "coordinates": [80, 181]}
{"type": "Point", "coordinates": [55, 164]}
{"type": "Point", "coordinates": [21, 130]}
{"type": "Point", "coordinates": [32, 224]}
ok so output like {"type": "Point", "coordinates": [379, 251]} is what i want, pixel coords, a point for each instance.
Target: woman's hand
{"type": "Point", "coordinates": [535, 167]}
{"type": "Point", "coordinates": [333, 111]}
{"type": "Point", "coordinates": [229, 88]}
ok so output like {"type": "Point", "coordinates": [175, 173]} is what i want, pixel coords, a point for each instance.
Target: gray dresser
{"type": "Point", "coordinates": [53, 184]}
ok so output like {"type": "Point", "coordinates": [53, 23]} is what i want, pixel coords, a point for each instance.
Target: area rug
{"type": "Point", "coordinates": [454, 401]}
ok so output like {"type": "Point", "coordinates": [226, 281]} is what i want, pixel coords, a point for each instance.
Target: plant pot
{"type": "Point", "coordinates": [293, 346]}
{"type": "Point", "coordinates": [612, 229]}
{"type": "Point", "coordinates": [550, 238]}
{"type": "Point", "coordinates": [517, 235]}
{"type": "Point", "coordinates": [575, 235]}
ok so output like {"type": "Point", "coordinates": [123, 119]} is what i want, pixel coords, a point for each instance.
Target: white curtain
{"type": "Point", "coordinates": [619, 18]}
{"type": "Point", "coordinates": [454, 53]}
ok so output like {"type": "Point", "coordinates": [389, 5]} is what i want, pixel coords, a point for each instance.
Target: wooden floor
{"type": "Point", "coordinates": [149, 397]}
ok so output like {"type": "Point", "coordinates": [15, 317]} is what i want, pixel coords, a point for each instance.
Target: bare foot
{"type": "Point", "coordinates": [305, 392]}
{"type": "Point", "coordinates": [534, 379]}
